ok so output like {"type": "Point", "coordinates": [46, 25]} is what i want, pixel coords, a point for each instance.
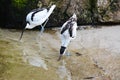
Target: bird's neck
{"type": "Point", "coordinates": [28, 26]}
{"type": "Point", "coordinates": [50, 11]}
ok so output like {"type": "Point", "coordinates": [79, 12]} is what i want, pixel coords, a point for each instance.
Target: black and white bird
{"type": "Point", "coordinates": [37, 17]}
{"type": "Point", "coordinates": [68, 32]}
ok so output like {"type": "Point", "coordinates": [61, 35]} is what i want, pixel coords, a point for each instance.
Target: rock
{"type": "Point", "coordinates": [78, 54]}
{"type": "Point", "coordinates": [87, 11]}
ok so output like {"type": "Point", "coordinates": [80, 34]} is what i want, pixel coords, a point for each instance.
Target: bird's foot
{"type": "Point", "coordinates": [67, 54]}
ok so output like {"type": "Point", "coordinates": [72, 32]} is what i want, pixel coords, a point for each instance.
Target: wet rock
{"type": "Point", "coordinates": [78, 54]}
{"type": "Point", "coordinates": [88, 77]}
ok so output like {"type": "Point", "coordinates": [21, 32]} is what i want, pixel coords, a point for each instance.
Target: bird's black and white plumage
{"type": "Point", "coordinates": [37, 17]}
{"type": "Point", "coordinates": [68, 32]}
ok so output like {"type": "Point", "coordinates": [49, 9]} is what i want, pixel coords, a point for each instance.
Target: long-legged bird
{"type": "Point", "coordinates": [37, 17]}
{"type": "Point", "coordinates": [68, 32]}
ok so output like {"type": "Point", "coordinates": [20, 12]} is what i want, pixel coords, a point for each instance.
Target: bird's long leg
{"type": "Point", "coordinates": [42, 26]}
{"type": "Point", "coordinates": [60, 56]}
{"type": "Point", "coordinates": [46, 22]}
{"type": "Point", "coordinates": [42, 29]}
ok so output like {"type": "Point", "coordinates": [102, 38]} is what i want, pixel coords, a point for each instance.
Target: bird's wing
{"type": "Point", "coordinates": [28, 17]}
{"type": "Point", "coordinates": [64, 27]}
{"type": "Point", "coordinates": [38, 9]}
{"type": "Point", "coordinates": [73, 30]}
{"type": "Point", "coordinates": [38, 15]}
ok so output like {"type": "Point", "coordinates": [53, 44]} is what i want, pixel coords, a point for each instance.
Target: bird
{"type": "Point", "coordinates": [67, 33]}
{"type": "Point", "coordinates": [37, 17]}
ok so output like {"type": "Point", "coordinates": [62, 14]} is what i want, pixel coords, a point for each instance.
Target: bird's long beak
{"type": "Point", "coordinates": [22, 34]}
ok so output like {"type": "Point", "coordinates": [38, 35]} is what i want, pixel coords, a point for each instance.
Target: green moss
{"type": "Point", "coordinates": [19, 3]}
{"type": "Point", "coordinates": [89, 12]}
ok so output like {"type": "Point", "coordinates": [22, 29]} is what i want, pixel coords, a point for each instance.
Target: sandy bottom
{"type": "Point", "coordinates": [94, 55]}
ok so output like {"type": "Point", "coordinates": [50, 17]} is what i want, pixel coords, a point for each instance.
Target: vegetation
{"type": "Point", "coordinates": [13, 12]}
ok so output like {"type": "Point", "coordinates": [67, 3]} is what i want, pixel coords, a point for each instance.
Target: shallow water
{"type": "Point", "coordinates": [95, 54]}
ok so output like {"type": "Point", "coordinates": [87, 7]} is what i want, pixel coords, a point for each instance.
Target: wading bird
{"type": "Point", "coordinates": [68, 32]}
{"type": "Point", "coordinates": [37, 17]}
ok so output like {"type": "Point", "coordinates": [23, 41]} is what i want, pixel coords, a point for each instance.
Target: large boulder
{"type": "Point", "coordinates": [88, 11]}
{"type": "Point", "coordinates": [108, 10]}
